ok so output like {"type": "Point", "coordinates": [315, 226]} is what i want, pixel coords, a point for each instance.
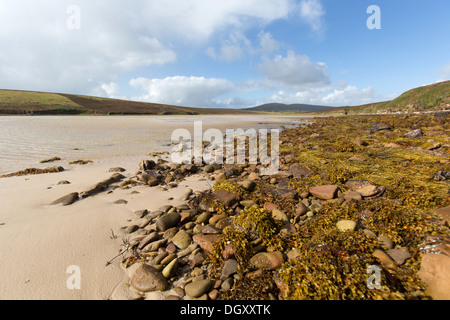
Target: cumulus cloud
{"type": "Point", "coordinates": [293, 71]}
{"type": "Point", "coordinates": [181, 90]}
{"type": "Point", "coordinates": [335, 95]}
{"type": "Point", "coordinates": [40, 52]}
{"type": "Point", "coordinates": [312, 13]}
{"type": "Point", "coordinates": [237, 47]}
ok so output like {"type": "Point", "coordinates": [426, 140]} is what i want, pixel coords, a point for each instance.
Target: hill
{"type": "Point", "coordinates": [280, 107]}
{"type": "Point", "coordinates": [44, 103]}
{"type": "Point", "coordinates": [434, 97]}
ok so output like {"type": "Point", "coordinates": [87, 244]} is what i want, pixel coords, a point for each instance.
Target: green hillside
{"type": "Point", "coordinates": [435, 97]}
{"type": "Point", "coordinates": [42, 103]}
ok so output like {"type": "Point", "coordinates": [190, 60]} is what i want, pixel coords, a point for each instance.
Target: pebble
{"type": "Point", "coordinates": [346, 225]}
{"type": "Point", "coordinates": [168, 221]}
{"type": "Point", "coordinates": [147, 278]}
{"type": "Point", "coordinates": [171, 269]}
{"type": "Point", "coordinates": [399, 255]}
{"type": "Point", "coordinates": [229, 268]}
{"type": "Point", "coordinates": [67, 200]}
{"type": "Point", "coordinates": [182, 239]}
{"type": "Point", "coordinates": [267, 260]}
{"type": "Point", "coordinates": [326, 192]}
{"type": "Point", "coordinates": [196, 289]}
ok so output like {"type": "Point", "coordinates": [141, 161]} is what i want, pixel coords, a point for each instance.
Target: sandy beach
{"type": "Point", "coordinates": [39, 242]}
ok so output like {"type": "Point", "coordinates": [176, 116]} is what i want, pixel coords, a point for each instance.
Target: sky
{"type": "Point", "coordinates": [225, 54]}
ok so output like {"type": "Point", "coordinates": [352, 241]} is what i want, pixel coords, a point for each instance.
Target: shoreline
{"type": "Point", "coordinates": [322, 193]}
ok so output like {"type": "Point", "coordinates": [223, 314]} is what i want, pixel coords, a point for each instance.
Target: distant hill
{"type": "Point", "coordinates": [44, 103]}
{"type": "Point", "coordinates": [280, 107]}
{"type": "Point", "coordinates": [434, 97]}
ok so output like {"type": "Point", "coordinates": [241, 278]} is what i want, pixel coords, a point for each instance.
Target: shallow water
{"type": "Point", "coordinates": [25, 140]}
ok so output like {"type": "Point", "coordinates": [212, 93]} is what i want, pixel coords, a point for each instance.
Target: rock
{"type": "Point", "coordinates": [267, 260]}
{"type": "Point", "coordinates": [205, 241]}
{"type": "Point", "coordinates": [203, 218]}
{"type": "Point", "coordinates": [63, 182]}
{"type": "Point", "coordinates": [216, 218]}
{"type": "Point", "coordinates": [249, 185]}
{"type": "Point", "coordinates": [269, 206]}
{"type": "Point", "coordinates": [227, 284]}
{"type": "Point", "coordinates": [442, 175]}
{"type": "Point", "coordinates": [145, 165]}
{"type": "Point", "coordinates": [346, 225]}
{"type": "Point", "coordinates": [131, 229]}
{"type": "Point", "coordinates": [198, 288]}
{"type": "Point", "coordinates": [384, 259]}
{"type": "Point", "coordinates": [140, 213]}
{"type": "Point", "coordinates": [299, 172]}
{"type": "Point", "coordinates": [151, 178]}
{"type": "Point", "coordinates": [229, 268]}
{"type": "Point", "coordinates": [66, 200]}
{"type": "Point", "coordinates": [301, 209]}
{"type": "Point", "coordinates": [444, 213]}
{"type": "Point", "coordinates": [226, 197]}
{"type": "Point", "coordinates": [279, 215]}
{"type": "Point", "coordinates": [102, 186]}
{"type": "Point", "coordinates": [168, 221]}
{"type": "Point", "coordinates": [386, 242]}
{"type": "Point", "coordinates": [414, 133]}
{"type": "Point", "coordinates": [168, 259]}
{"type": "Point", "coordinates": [209, 229]}
{"type": "Point", "coordinates": [368, 191]}
{"type": "Point", "coordinates": [352, 195]}
{"type": "Point", "coordinates": [253, 176]}
{"type": "Point", "coordinates": [147, 279]}
{"type": "Point", "coordinates": [434, 272]}
{"type": "Point", "coordinates": [326, 192]}
{"type": "Point", "coordinates": [357, 184]}
{"type": "Point", "coordinates": [209, 168]}
{"type": "Point", "coordinates": [379, 127]}
{"type": "Point", "coordinates": [117, 169]}
{"type": "Point", "coordinates": [148, 239]}
{"type": "Point", "coordinates": [399, 255]}
{"type": "Point", "coordinates": [182, 239]}
{"type": "Point", "coordinates": [171, 269]}
{"type": "Point", "coordinates": [357, 159]}
{"type": "Point", "coordinates": [120, 201]}
{"type": "Point", "coordinates": [247, 203]}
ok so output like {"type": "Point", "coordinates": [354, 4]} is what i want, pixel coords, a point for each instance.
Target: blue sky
{"type": "Point", "coordinates": [235, 53]}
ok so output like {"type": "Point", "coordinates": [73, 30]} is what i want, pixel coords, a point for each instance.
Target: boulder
{"type": "Point", "coordinates": [326, 192]}
{"type": "Point", "coordinates": [168, 221]}
{"type": "Point", "coordinates": [226, 197]}
{"type": "Point", "coordinates": [267, 260]}
{"type": "Point", "coordinates": [147, 279]}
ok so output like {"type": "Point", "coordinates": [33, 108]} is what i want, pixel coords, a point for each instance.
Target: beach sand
{"type": "Point", "coordinates": [39, 242]}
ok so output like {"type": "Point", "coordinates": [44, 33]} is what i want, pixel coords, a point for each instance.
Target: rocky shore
{"type": "Point", "coordinates": [370, 192]}
{"type": "Point", "coordinates": [353, 195]}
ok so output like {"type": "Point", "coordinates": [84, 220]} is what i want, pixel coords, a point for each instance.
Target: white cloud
{"type": "Point", "coordinates": [312, 12]}
{"type": "Point", "coordinates": [184, 91]}
{"type": "Point", "coordinates": [237, 47]}
{"type": "Point", "coordinates": [39, 52]}
{"type": "Point", "coordinates": [335, 95]}
{"type": "Point", "coordinates": [293, 71]}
